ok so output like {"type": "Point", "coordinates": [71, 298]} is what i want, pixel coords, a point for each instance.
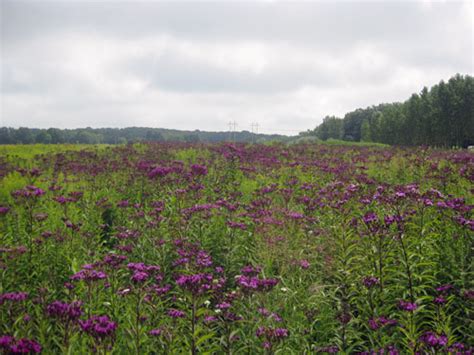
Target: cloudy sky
{"type": "Point", "coordinates": [199, 65]}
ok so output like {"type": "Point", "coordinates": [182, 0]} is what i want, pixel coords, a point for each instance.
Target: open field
{"type": "Point", "coordinates": [236, 249]}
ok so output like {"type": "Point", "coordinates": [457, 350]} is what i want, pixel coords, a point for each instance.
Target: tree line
{"type": "Point", "coordinates": [442, 116]}
{"type": "Point", "coordinates": [24, 135]}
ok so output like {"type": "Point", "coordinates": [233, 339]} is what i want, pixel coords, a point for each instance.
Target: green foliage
{"type": "Point", "coordinates": [359, 247]}
{"type": "Point", "coordinates": [442, 116]}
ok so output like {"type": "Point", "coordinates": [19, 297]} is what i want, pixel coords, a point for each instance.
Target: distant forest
{"type": "Point", "coordinates": [442, 116]}
{"type": "Point", "coordinates": [25, 135]}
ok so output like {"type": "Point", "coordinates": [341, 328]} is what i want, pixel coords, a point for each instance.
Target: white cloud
{"type": "Point", "coordinates": [298, 64]}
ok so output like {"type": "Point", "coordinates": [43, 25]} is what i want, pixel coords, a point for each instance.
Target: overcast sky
{"type": "Point", "coordinates": [199, 65]}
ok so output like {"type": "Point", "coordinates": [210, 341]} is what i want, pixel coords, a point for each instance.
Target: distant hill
{"type": "Point", "coordinates": [89, 135]}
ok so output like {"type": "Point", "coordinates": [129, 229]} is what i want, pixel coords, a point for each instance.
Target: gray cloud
{"type": "Point", "coordinates": [196, 65]}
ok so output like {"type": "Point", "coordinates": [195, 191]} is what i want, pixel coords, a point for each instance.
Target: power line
{"type": "Point", "coordinates": [232, 127]}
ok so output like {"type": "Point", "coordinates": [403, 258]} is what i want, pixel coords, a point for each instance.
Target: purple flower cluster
{"type": "Point", "coordinates": [88, 274]}
{"type": "Point", "coordinates": [65, 311]}
{"type": "Point", "coordinates": [160, 171]}
{"type": "Point", "coordinates": [237, 225]}
{"type": "Point", "coordinates": [175, 313]}
{"type": "Point", "coordinates": [198, 170]}
{"type": "Point", "coordinates": [271, 335]}
{"type": "Point", "coordinates": [13, 297]}
{"type": "Point", "coordinates": [4, 210]}
{"type": "Point", "coordinates": [407, 306]}
{"type": "Point", "coordinates": [370, 281]}
{"type": "Point", "coordinates": [377, 323]}
{"type": "Point", "coordinates": [10, 345]}
{"type": "Point", "coordinates": [141, 272]}
{"type": "Point", "coordinates": [434, 340]}
{"type": "Point", "coordinates": [197, 284]}
{"type": "Point", "coordinates": [27, 192]}
{"type": "Point", "coordinates": [99, 327]}
{"type": "Point", "coordinates": [249, 280]}
{"type": "Point", "coordinates": [254, 283]}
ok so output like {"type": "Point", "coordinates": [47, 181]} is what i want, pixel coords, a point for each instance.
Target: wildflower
{"type": "Point", "coordinates": [88, 274]}
{"type": "Point", "coordinates": [155, 332]}
{"type": "Point", "coordinates": [174, 313]}
{"type": "Point", "coordinates": [370, 281]}
{"type": "Point", "coordinates": [304, 264]}
{"type": "Point", "coordinates": [433, 340]}
{"type": "Point", "coordinates": [4, 210]}
{"type": "Point", "coordinates": [370, 217]}
{"type": "Point", "coordinates": [21, 346]}
{"type": "Point", "coordinates": [439, 300]}
{"type": "Point", "coordinates": [444, 288]}
{"type": "Point", "coordinates": [407, 306]}
{"type": "Point", "coordinates": [65, 311]}
{"type": "Point", "coordinates": [198, 170]}
{"type": "Point", "coordinates": [98, 326]}
{"type": "Point", "coordinates": [25, 346]}
{"type": "Point", "coordinates": [376, 323]}
{"type": "Point", "coordinates": [198, 283]}
{"type": "Point", "coordinates": [13, 297]}
{"type": "Point", "coordinates": [139, 276]}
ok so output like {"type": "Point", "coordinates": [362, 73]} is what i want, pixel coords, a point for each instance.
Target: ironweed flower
{"type": "Point", "coordinates": [21, 346]}
{"type": "Point", "coordinates": [4, 210]}
{"type": "Point", "coordinates": [65, 311]}
{"type": "Point", "coordinates": [139, 276]}
{"type": "Point", "coordinates": [434, 340]}
{"type": "Point", "coordinates": [370, 281]}
{"type": "Point", "coordinates": [99, 327]}
{"type": "Point", "coordinates": [87, 274]}
{"type": "Point", "coordinates": [155, 332]}
{"type": "Point", "coordinates": [407, 306]}
{"type": "Point", "coordinates": [198, 170]}
{"type": "Point", "coordinates": [13, 297]}
{"type": "Point", "coordinates": [174, 313]}
{"type": "Point", "coordinates": [376, 323]}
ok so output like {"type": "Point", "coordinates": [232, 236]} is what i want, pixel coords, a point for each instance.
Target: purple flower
{"type": "Point", "coordinates": [198, 170]}
{"type": "Point", "coordinates": [237, 225]}
{"type": "Point", "coordinates": [139, 276]}
{"type": "Point", "coordinates": [370, 281]}
{"type": "Point", "coordinates": [304, 264]}
{"type": "Point", "coordinates": [159, 171]}
{"type": "Point", "coordinates": [13, 297]}
{"type": "Point", "coordinates": [444, 288]}
{"type": "Point", "coordinates": [373, 324]}
{"type": "Point", "coordinates": [25, 346]}
{"type": "Point", "coordinates": [376, 323]}
{"type": "Point", "coordinates": [123, 203]}
{"type": "Point", "coordinates": [88, 274]}
{"type": "Point", "coordinates": [5, 341]}
{"type": "Point", "coordinates": [407, 306]}
{"type": "Point", "coordinates": [174, 313]}
{"type": "Point", "coordinates": [155, 332]}
{"type": "Point", "coordinates": [253, 283]}
{"type": "Point", "coordinates": [223, 305]}
{"type": "Point", "coordinates": [65, 311]}
{"type": "Point", "coordinates": [21, 346]}
{"type": "Point", "coordinates": [370, 217]}
{"type": "Point", "coordinates": [98, 326]}
{"type": "Point", "coordinates": [434, 340]}
{"type": "Point", "coordinates": [196, 283]}
{"type": "Point", "coordinates": [4, 210]}
{"type": "Point", "coordinates": [439, 300]}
